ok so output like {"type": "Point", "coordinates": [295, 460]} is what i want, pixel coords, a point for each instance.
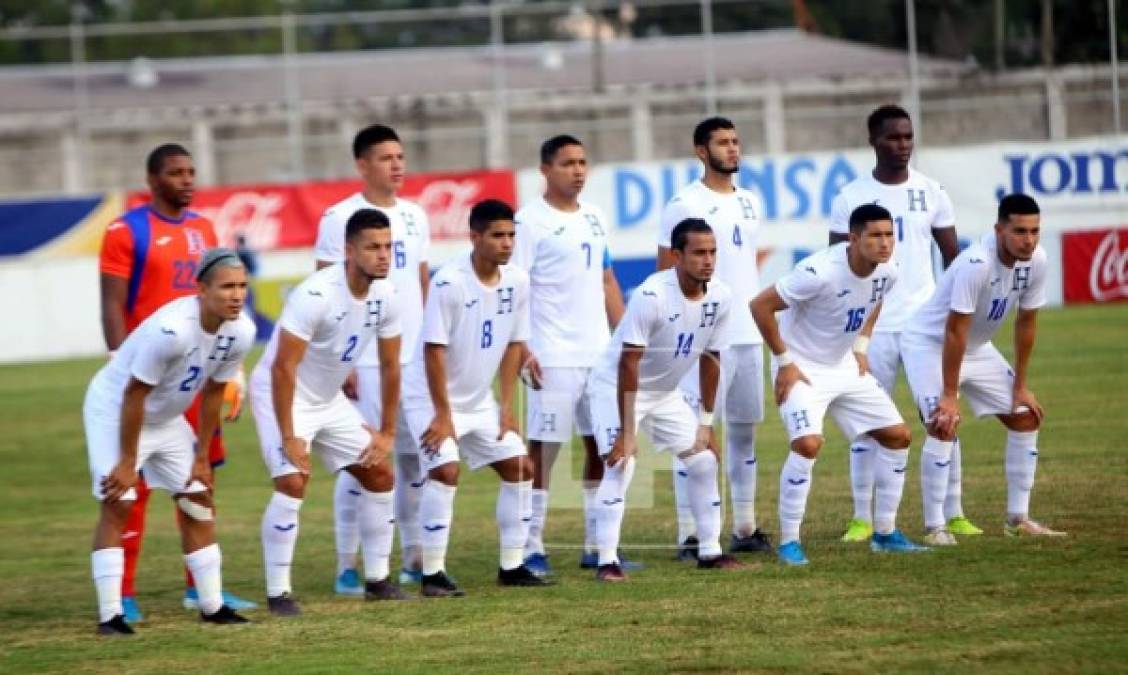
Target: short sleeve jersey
{"type": "Point", "coordinates": [827, 304]}
{"type": "Point", "coordinates": [171, 351]}
{"type": "Point", "coordinates": [411, 246]}
{"type": "Point", "coordinates": [673, 330]}
{"type": "Point", "coordinates": [476, 323]}
{"type": "Point", "coordinates": [918, 206]}
{"type": "Point", "coordinates": [158, 256]}
{"type": "Point", "coordinates": [735, 218]}
{"type": "Point", "coordinates": [337, 326]}
{"type": "Point", "coordinates": [978, 283]}
{"type": "Point", "coordinates": [565, 255]}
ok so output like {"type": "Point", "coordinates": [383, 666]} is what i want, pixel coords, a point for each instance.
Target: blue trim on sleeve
{"type": "Point", "coordinates": [138, 222]}
{"type": "Point", "coordinates": [606, 258]}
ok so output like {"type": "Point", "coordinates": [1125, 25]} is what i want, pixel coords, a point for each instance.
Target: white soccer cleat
{"type": "Point", "coordinates": [939, 536]}
{"type": "Point", "coordinates": [1030, 528]}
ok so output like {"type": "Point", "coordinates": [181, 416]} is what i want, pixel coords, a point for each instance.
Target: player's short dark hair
{"type": "Point", "coordinates": [878, 117]}
{"type": "Point", "coordinates": [154, 164]}
{"type": "Point", "coordinates": [365, 219]}
{"type": "Point", "coordinates": [1017, 204]}
{"type": "Point", "coordinates": [705, 128]}
{"type": "Point", "coordinates": [680, 236]}
{"type": "Point", "coordinates": [489, 211]}
{"type": "Point", "coordinates": [867, 213]}
{"type": "Point", "coordinates": [553, 145]}
{"type": "Point", "coordinates": [371, 135]}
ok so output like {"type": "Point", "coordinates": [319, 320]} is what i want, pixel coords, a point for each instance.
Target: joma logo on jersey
{"type": "Point", "coordinates": [1021, 278]}
{"type": "Point", "coordinates": [222, 350]}
{"type": "Point", "coordinates": [505, 300]}
{"type": "Point", "coordinates": [916, 198]}
{"type": "Point", "coordinates": [596, 228]}
{"type": "Point", "coordinates": [375, 311]}
{"type": "Point", "coordinates": [878, 289]}
{"type": "Point", "coordinates": [708, 314]}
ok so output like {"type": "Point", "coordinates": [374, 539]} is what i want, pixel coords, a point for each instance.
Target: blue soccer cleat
{"type": "Point", "coordinates": [791, 553]}
{"type": "Point", "coordinates": [537, 563]}
{"type": "Point", "coordinates": [894, 542]}
{"type": "Point", "coordinates": [130, 610]}
{"type": "Point", "coordinates": [590, 561]}
{"type": "Point", "coordinates": [348, 583]}
{"type": "Point", "coordinates": [410, 577]}
{"type": "Point", "coordinates": [192, 600]}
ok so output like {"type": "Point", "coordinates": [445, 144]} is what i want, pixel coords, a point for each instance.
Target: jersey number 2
{"type": "Point", "coordinates": [350, 346]}
{"type": "Point", "coordinates": [189, 383]}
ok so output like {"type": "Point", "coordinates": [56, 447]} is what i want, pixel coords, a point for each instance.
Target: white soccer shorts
{"type": "Point", "coordinates": [477, 437]}
{"type": "Point", "coordinates": [560, 405]}
{"type": "Point", "coordinates": [986, 379]}
{"type": "Point", "coordinates": [884, 356]}
{"type": "Point", "coordinates": [857, 403]}
{"type": "Point", "coordinates": [165, 452]}
{"type": "Point", "coordinates": [665, 417]}
{"type": "Point", "coordinates": [740, 395]}
{"type": "Point", "coordinates": [335, 432]}
{"type": "Point", "coordinates": [369, 405]}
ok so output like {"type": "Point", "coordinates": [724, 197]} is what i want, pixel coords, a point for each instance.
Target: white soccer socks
{"type": "Point", "coordinates": [107, 565]}
{"type": "Point", "coordinates": [953, 503]}
{"type": "Point", "coordinates": [705, 501]}
{"type": "Point", "coordinates": [681, 501]}
{"type": "Point", "coordinates": [205, 565]}
{"type": "Point", "coordinates": [1021, 463]}
{"type": "Point", "coordinates": [409, 487]}
{"type": "Point", "coordinates": [376, 524]}
{"type": "Point", "coordinates": [863, 455]}
{"type": "Point", "coordinates": [889, 476]}
{"type": "Point", "coordinates": [740, 460]}
{"type": "Point", "coordinates": [514, 511]}
{"type": "Point", "coordinates": [591, 516]}
{"type": "Point", "coordinates": [279, 535]}
{"type": "Point", "coordinates": [346, 505]}
{"type": "Point", "coordinates": [935, 471]}
{"type": "Point", "coordinates": [535, 544]}
{"type": "Point", "coordinates": [436, 510]}
{"type": "Point", "coordinates": [611, 502]}
{"type": "Point", "coordinates": [794, 487]}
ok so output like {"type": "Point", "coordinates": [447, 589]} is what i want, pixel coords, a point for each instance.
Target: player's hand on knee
{"type": "Point", "coordinates": [118, 481]}
{"type": "Point", "coordinates": [201, 471]}
{"type": "Point", "coordinates": [945, 419]}
{"type": "Point", "coordinates": [623, 448]}
{"type": "Point", "coordinates": [531, 373]}
{"type": "Point", "coordinates": [786, 377]}
{"type": "Point", "coordinates": [507, 423]}
{"type": "Point", "coordinates": [350, 386]}
{"type": "Point", "coordinates": [440, 429]}
{"type": "Point", "coordinates": [378, 448]}
{"type": "Point", "coordinates": [863, 363]}
{"type": "Point", "coordinates": [706, 440]}
{"type": "Point", "coordinates": [297, 453]}
{"type": "Point", "coordinates": [1024, 398]}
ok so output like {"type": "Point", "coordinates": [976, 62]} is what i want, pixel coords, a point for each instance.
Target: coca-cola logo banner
{"type": "Point", "coordinates": [1095, 266]}
{"type": "Point", "coordinates": [286, 216]}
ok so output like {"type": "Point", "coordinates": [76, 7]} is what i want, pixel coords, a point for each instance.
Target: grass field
{"type": "Point", "coordinates": [990, 604]}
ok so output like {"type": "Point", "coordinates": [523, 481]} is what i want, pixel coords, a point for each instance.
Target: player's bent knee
{"type": "Point", "coordinates": [291, 485]}
{"type": "Point", "coordinates": [807, 446]}
{"type": "Point", "coordinates": [117, 512]}
{"type": "Point", "coordinates": [897, 437]}
{"type": "Point", "coordinates": [196, 505]}
{"type": "Point", "coordinates": [1023, 421]}
{"type": "Point", "coordinates": [447, 474]}
{"type": "Point", "coordinates": [378, 478]}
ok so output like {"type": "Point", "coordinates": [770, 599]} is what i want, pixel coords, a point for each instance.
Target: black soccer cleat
{"type": "Point", "coordinates": [520, 576]}
{"type": "Point", "coordinates": [224, 616]}
{"type": "Point", "coordinates": [687, 550]}
{"type": "Point", "coordinates": [721, 562]}
{"type": "Point", "coordinates": [757, 542]}
{"type": "Point", "coordinates": [439, 585]}
{"type": "Point", "coordinates": [115, 627]}
{"type": "Point", "coordinates": [611, 573]}
{"type": "Point", "coordinates": [283, 605]}
{"type": "Point", "coordinates": [383, 589]}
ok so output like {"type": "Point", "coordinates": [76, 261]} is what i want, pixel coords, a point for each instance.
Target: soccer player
{"type": "Point", "coordinates": [676, 318]}
{"type": "Point", "coordinates": [947, 350]}
{"type": "Point", "coordinates": [134, 420]}
{"type": "Point", "coordinates": [830, 303]}
{"type": "Point", "coordinates": [922, 213]}
{"type": "Point", "coordinates": [326, 324]}
{"type": "Point", "coordinates": [474, 327]}
{"type": "Point", "coordinates": [149, 257]}
{"type": "Point", "coordinates": [379, 159]}
{"type": "Point", "coordinates": [734, 214]}
{"type": "Point", "coordinates": [562, 243]}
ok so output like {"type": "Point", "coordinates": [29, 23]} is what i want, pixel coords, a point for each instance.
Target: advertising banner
{"type": "Point", "coordinates": [1095, 266]}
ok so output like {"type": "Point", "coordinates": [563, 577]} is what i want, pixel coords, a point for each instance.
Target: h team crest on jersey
{"type": "Point", "coordinates": [222, 350]}
{"type": "Point", "coordinates": [708, 314]}
{"type": "Point", "coordinates": [596, 229]}
{"type": "Point", "coordinates": [505, 300]}
{"type": "Point", "coordinates": [1021, 278]}
{"type": "Point", "coordinates": [916, 198]}
{"type": "Point", "coordinates": [196, 243]}
{"type": "Point", "coordinates": [409, 222]}
{"type": "Point", "coordinates": [747, 207]}
{"type": "Point", "coordinates": [879, 289]}
{"type": "Point", "coordinates": [375, 311]}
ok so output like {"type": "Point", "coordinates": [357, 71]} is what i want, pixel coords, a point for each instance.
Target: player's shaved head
{"type": "Point", "coordinates": [372, 135]}
{"type": "Point", "coordinates": [680, 236]}
{"type": "Point", "coordinates": [705, 128]}
{"type": "Point", "coordinates": [553, 145]}
{"type": "Point", "coordinates": [489, 211]}
{"type": "Point", "coordinates": [878, 117]}
{"type": "Point", "coordinates": [365, 219]}
{"type": "Point", "coordinates": [1017, 204]}
{"type": "Point", "coordinates": [866, 214]}
{"type": "Point", "coordinates": [154, 164]}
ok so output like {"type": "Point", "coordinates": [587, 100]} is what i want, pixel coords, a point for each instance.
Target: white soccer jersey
{"type": "Point", "coordinates": [918, 206]}
{"type": "Point", "coordinates": [338, 328]}
{"type": "Point", "coordinates": [674, 331]}
{"type": "Point", "coordinates": [565, 255]}
{"type": "Point", "coordinates": [827, 304]}
{"type": "Point", "coordinates": [476, 323]}
{"type": "Point", "coordinates": [171, 352]}
{"type": "Point", "coordinates": [735, 219]}
{"type": "Point", "coordinates": [977, 283]}
{"type": "Point", "coordinates": [411, 246]}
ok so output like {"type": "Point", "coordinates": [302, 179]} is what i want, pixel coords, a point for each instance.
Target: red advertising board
{"type": "Point", "coordinates": [286, 215]}
{"type": "Point", "coordinates": [1095, 266]}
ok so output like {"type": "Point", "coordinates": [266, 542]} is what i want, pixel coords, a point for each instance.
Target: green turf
{"type": "Point", "coordinates": [990, 604]}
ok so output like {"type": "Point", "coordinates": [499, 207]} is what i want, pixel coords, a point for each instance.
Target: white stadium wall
{"type": "Point", "coordinates": [52, 303]}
